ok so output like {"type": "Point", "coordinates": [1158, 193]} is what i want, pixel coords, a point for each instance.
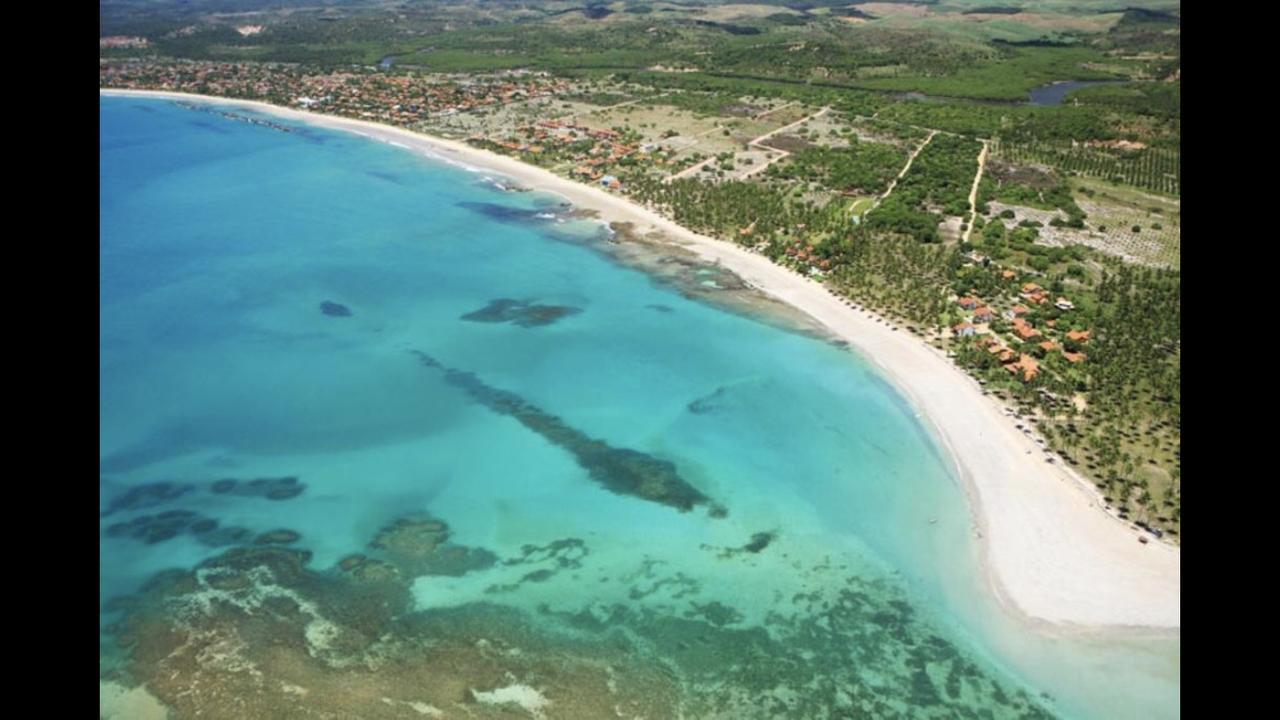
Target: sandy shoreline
{"type": "Point", "coordinates": [1052, 554]}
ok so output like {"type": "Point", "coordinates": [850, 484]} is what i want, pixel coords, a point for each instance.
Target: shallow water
{"type": "Point", "coordinates": [516, 469]}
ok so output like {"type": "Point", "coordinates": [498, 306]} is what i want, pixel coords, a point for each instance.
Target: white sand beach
{"type": "Point", "coordinates": [1053, 554]}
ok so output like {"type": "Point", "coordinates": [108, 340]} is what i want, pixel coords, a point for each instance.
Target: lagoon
{"type": "Point", "coordinates": [268, 298]}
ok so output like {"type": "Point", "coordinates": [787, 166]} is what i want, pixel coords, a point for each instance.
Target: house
{"type": "Point", "coordinates": [983, 315]}
{"type": "Point", "coordinates": [964, 329]}
{"type": "Point", "coordinates": [1015, 312]}
{"type": "Point", "coordinates": [1026, 365]}
{"type": "Point", "coordinates": [1002, 352]}
{"type": "Point", "coordinates": [1008, 275]}
{"type": "Point", "coordinates": [1048, 346]}
{"type": "Point", "coordinates": [969, 302]}
{"type": "Point", "coordinates": [1079, 336]}
{"type": "Point", "coordinates": [1064, 304]}
{"type": "Point", "coordinates": [1024, 329]}
{"type": "Point", "coordinates": [1030, 288]}
{"type": "Point", "coordinates": [610, 181]}
{"type": "Point", "coordinates": [1074, 357]}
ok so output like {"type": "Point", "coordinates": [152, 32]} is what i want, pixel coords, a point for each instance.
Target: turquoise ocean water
{"type": "Point", "coordinates": [506, 460]}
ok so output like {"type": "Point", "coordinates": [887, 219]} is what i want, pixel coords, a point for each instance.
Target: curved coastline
{"type": "Point", "coordinates": [1053, 556]}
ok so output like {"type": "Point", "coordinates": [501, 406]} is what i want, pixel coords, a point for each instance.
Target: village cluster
{"type": "Point", "coordinates": [1011, 335]}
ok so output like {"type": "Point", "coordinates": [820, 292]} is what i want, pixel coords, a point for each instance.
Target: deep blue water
{"type": "Point", "coordinates": [384, 342]}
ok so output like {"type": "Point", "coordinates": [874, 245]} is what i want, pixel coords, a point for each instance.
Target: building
{"type": "Point", "coordinates": [983, 315]}
{"type": "Point", "coordinates": [1026, 365]}
{"type": "Point", "coordinates": [969, 302]}
{"type": "Point", "coordinates": [1002, 352]}
{"type": "Point", "coordinates": [1079, 336]}
{"type": "Point", "coordinates": [964, 329]}
{"type": "Point", "coordinates": [1064, 304]}
{"type": "Point", "coordinates": [1024, 329]}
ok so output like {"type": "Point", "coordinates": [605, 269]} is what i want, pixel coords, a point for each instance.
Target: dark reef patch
{"type": "Point", "coordinates": [707, 403]}
{"type": "Point", "coordinates": [419, 545]}
{"type": "Point", "coordinates": [758, 542]}
{"type": "Point", "coordinates": [524, 313]}
{"type": "Point", "coordinates": [714, 612]}
{"type": "Point", "coordinates": [619, 470]}
{"type": "Point", "coordinates": [333, 309]}
{"type": "Point", "coordinates": [658, 307]}
{"type": "Point", "coordinates": [270, 488]}
{"type": "Point", "coordinates": [507, 214]}
{"type": "Point", "coordinates": [277, 537]}
{"type": "Point", "coordinates": [563, 554]}
{"type": "Point", "coordinates": [153, 529]}
{"type": "Point", "coordinates": [145, 496]}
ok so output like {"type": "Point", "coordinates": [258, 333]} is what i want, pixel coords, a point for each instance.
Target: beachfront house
{"type": "Point", "coordinates": [1026, 365]}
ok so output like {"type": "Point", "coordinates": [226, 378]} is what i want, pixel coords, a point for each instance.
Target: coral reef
{"type": "Point", "coordinates": [620, 470]}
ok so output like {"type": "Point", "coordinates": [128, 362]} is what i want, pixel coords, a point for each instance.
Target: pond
{"type": "Point", "coordinates": [1055, 92]}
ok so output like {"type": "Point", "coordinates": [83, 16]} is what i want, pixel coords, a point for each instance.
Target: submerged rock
{"type": "Point", "coordinates": [277, 537]}
{"type": "Point", "coordinates": [520, 312]}
{"type": "Point", "coordinates": [153, 529]}
{"type": "Point", "coordinates": [333, 309]}
{"type": "Point", "coordinates": [759, 541]}
{"type": "Point", "coordinates": [270, 488]}
{"type": "Point", "coordinates": [145, 496]}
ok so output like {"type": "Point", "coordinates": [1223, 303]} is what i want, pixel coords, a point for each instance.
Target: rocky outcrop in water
{"type": "Point", "coordinates": [524, 313]}
{"type": "Point", "coordinates": [333, 309]}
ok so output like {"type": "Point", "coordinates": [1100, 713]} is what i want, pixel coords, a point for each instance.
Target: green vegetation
{"type": "Point", "coordinates": [937, 184]}
{"type": "Point", "coordinates": [1148, 168]}
{"type": "Point", "coordinates": [862, 167]}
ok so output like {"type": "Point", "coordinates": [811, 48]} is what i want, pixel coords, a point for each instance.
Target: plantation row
{"type": "Point", "coordinates": [1150, 169]}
